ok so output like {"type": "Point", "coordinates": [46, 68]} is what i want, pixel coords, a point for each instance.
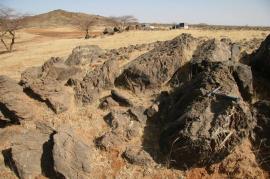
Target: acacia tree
{"type": "Point", "coordinates": [10, 22]}
{"type": "Point", "coordinates": [86, 24]}
{"type": "Point", "coordinates": [125, 20]}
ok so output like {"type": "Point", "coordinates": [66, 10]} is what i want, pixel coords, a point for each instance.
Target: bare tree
{"type": "Point", "coordinates": [10, 22]}
{"type": "Point", "coordinates": [124, 20]}
{"type": "Point", "coordinates": [86, 24]}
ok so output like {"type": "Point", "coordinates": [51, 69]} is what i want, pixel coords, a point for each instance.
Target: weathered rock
{"type": "Point", "coordinates": [108, 103]}
{"type": "Point", "coordinates": [14, 103]}
{"type": "Point", "coordinates": [123, 101]}
{"type": "Point", "coordinates": [205, 124]}
{"type": "Point", "coordinates": [55, 95]}
{"type": "Point", "coordinates": [236, 52]}
{"type": "Point", "coordinates": [261, 113]}
{"type": "Point", "coordinates": [84, 55]}
{"type": "Point", "coordinates": [46, 83]}
{"type": "Point", "coordinates": [243, 77]}
{"type": "Point", "coordinates": [109, 141]}
{"type": "Point", "coordinates": [124, 129]}
{"type": "Point", "coordinates": [96, 80]}
{"type": "Point", "coordinates": [261, 59]}
{"type": "Point", "coordinates": [30, 154]}
{"type": "Point", "coordinates": [137, 114]}
{"type": "Point", "coordinates": [213, 50]}
{"type": "Point", "coordinates": [72, 156]}
{"type": "Point", "coordinates": [156, 67]}
{"type": "Point", "coordinates": [137, 156]}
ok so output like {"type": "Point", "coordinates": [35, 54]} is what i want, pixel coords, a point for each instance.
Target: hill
{"type": "Point", "coordinates": [61, 18]}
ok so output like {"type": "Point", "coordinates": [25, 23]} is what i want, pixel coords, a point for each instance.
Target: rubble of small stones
{"type": "Point", "coordinates": [194, 102]}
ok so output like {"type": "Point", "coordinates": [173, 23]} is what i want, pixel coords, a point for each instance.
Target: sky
{"type": "Point", "coordinates": [220, 12]}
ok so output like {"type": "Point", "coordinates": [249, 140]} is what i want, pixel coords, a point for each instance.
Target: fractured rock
{"type": "Point", "coordinates": [84, 55]}
{"type": "Point", "coordinates": [213, 50]}
{"type": "Point", "coordinates": [109, 141]}
{"type": "Point", "coordinates": [156, 67]}
{"type": "Point", "coordinates": [46, 83]}
{"type": "Point", "coordinates": [14, 103]}
{"type": "Point", "coordinates": [261, 113]}
{"type": "Point", "coordinates": [205, 123]}
{"type": "Point", "coordinates": [30, 154]}
{"type": "Point", "coordinates": [137, 113]}
{"type": "Point", "coordinates": [55, 95]}
{"type": "Point", "coordinates": [137, 156]}
{"type": "Point", "coordinates": [72, 156]}
{"type": "Point", "coordinates": [100, 78]}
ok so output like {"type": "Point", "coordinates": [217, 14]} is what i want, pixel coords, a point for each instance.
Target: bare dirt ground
{"type": "Point", "coordinates": [35, 46]}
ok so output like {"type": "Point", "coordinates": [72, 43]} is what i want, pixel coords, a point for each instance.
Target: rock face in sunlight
{"type": "Point", "coordinates": [14, 103]}
{"type": "Point", "coordinates": [157, 66]}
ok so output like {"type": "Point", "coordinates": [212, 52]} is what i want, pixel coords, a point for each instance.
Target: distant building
{"type": "Point", "coordinates": [180, 26]}
{"type": "Point", "coordinates": [148, 26]}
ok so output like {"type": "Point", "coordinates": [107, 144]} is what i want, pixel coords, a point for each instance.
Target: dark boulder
{"type": "Point", "coordinates": [261, 59]}
{"type": "Point", "coordinates": [156, 67]}
{"type": "Point", "coordinates": [99, 79]}
{"type": "Point", "coordinates": [213, 50]}
{"type": "Point", "coordinates": [208, 117]}
{"type": "Point", "coordinates": [261, 113]}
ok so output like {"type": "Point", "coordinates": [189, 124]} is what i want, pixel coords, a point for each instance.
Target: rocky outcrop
{"type": "Point", "coordinates": [14, 103]}
{"type": "Point", "coordinates": [72, 156]}
{"type": "Point", "coordinates": [208, 117]}
{"type": "Point", "coordinates": [156, 67]}
{"type": "Point", "coordinates": [47, 83]}
{"type": "Point", "coordinates": [124, 128]}
{"type": "Point", "coordinates": [213, 50]}
{"type": "Point", "coordinates": [29, 156]}
{"type": "Point", "coordinates": [85, 55]}
{"type": "Point", "coordinates": [99, 79]}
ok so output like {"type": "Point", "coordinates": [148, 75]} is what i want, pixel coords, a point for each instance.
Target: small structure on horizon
{"type": "Point", "coordinates": [180, 26]}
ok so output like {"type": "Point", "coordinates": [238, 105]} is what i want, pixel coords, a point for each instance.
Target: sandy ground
{"type": "Point", "coordinates": [34, 46]}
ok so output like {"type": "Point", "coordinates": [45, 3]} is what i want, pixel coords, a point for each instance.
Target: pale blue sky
{"type": "Point", "coordinates": [228, 12]}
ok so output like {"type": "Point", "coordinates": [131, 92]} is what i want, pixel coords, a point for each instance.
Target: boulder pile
{"type": "Point", "coordinates": [185, 103]}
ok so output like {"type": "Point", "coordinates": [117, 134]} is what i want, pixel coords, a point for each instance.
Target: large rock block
{"type": "Point", "coordinates": [72, 157]}
{"type": "Point", "coordinates": [14, 103]}
{"type": "Point", "coordinates": [156, 67]}
{"type": "Point", "coordinates": [99, 79]}
{"type": "Point", "coordinates": [208, 117]}
{"type": "Point", "coordinates": [47, 83]}
{"type": "Point", "coordinates": [85, 55]}
{"type": "Point", "coordinates": [30, 154]}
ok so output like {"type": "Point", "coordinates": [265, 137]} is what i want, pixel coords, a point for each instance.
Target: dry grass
{"type": "Point", "coordinates": [37, 45]}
